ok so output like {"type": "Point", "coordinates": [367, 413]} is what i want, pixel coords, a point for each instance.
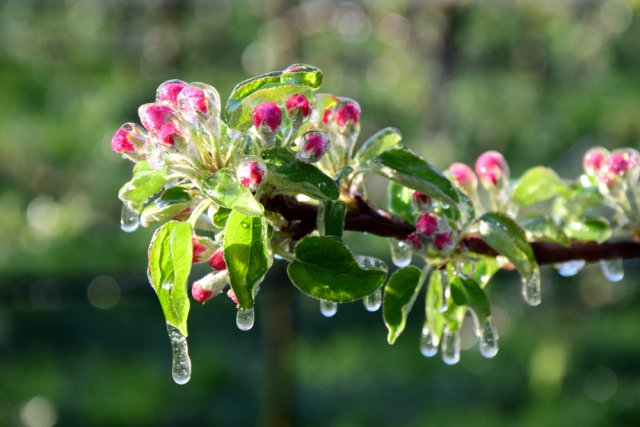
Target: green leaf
{"type": "Point", "coordinates": [536, 185]}
{"type": "Point", "coordinates": [544, 228]}
{"type": "Point", "coordinates": [594, 229]}
{"type": "Point", "coordinates": [468, 292]}
{"type": "Point", "coordinates": [223, 189]}
{"type": "Point", "coordinates": [246, 254]}
{"type": "Point", "coordinates": [220, 217]}
{"type": "Point", "coordinates": [247, 87]}
{"type": "Point", "coordinates": [325, 268]}
{"type": "Point", "coordinates": [509, 240]}
{"type": "Point", "coordinates": [302, 74]}
{"type": "Point", "coordinates": [410, 170]}
{"type": "Point", "coordinates": [290, 175]}
{"type": "Point", "coordinates": [399, 296]}
{"type": "Point", "coordinates": [145, 183]}
{"type": "Point", "coordinates": [330, 221]}
{"type": "Point", "coordinates": [399, 201]}
{"type": "Point", "coordinates": [170, 257]}
{"type": "Point", "coordinates": [158, 212]}
{"type": "Point", "coordinates": [379, 142]}
{"type": "Point", "coordinates": [435, 320]}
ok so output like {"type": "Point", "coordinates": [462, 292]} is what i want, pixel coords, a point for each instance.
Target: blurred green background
{"type": "Point", "coordinates": [82, 339]}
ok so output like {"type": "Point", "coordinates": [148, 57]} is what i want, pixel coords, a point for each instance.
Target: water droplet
{"type": "Point", "coordinates": [129, 219]}
{"type": "Point", "coordinates": [181, 363]}
{"type": "Point", "coordinates": [245, 318]}
{"type": "Point", "coordinates": [328, 308]}
{"type": "Point", "coordinates": [466, 268]}
{"type": "Point", "coordinates": [531, 288]}
{"type": "Point", "coordinates": [371, 263]}
{"type": "Point", "coordinates": [612, 269]}
{"type": "Point", "coordinates": [428, 343]}
{"type": "Point", "coordinates": [374, 301]}
{"type": "Point", "coordinates": [400, 253]}
{"type": "Point", "coordinates": [167, 286]}
{"type": "Point", "coordinates": [322, 185]}
{"type": "Point", "coordinates": [570, 268]}
{"type": "Point", "coordinates": [244, 224]}
{"type": "Point", "coordinates": [488, 339]}
{"type": "Point", "coordinates": [446, 290]}
{"type": "Point", "coordinates": [450, 346]}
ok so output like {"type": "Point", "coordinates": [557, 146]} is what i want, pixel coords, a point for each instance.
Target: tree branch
{"type": "Point", "coordinates": [363, 217]}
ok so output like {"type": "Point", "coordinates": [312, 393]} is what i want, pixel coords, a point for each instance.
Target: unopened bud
{"type": "Point", "coordinates": [348, 114]}
{"type": "Point", "coordinates": [312, 146]}
{"type": "Point", "coordinates": [620, 161]}
{"type": "Point", "coordinates": [203, 247]}
{"type": "Point", "coordinates": [267, 116]}
{"type": "Point", "coordinates": [464, 177]}
{"type": "Point", "coordinates": [167, 134]}
{"type": "Point", "coordinates": [327, 116]}
{"type": "Point", "coordinates": [251, 173]}
{"type": "Point", "coordinates": [427, 224]}
{"type": "Point", "coordinates": [443, 241]}
{"type": "Point", "coordinates": [129, 139]}
{"type": "Point", "coordinates": [492, 169]}
{"type": "Point", "coordinates": [421, 202]}
{"type": "Point", "coordinates": [594, 160]}
{"type": "Point", "coordinates": [199, 102]}
{"type": "Point", "coordinates": [209, 286]}
{"type": "Point", "coordinates": [415, 241]}
{"type": "Point", "coordinates": [297, 108]}
{"type": "Point", "coordinates": [153, 116]}
{"type": "Point", "coordinates": [216, 261]}
{"type": "Point", "coordinates": [168, 91]}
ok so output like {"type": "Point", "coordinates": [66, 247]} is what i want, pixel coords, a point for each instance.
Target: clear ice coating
{"type": "Point", "coordinates": [129, 219]}
{"type": "Point", "coordinates": [428, 343]}
{"type": "Point", "coordinates": [612, 269]}
{"type": "Point", "coordinates": [446, 290]}
{"type": "Point", "coordinates": [328, 308]}
{"type": "Point", "coordinates": [450, 346]}
{"type": "Point", "coordinates": [531, 288]}
{"type": "Point", "coordinates": [400, 253]}
{"type": "Point", "coordinates": [181, 363]}
{"type": "Point", "coordinates": [373, 301]}
{"type": "Point", "coordinates": [245, 318]}
{"type": "Point", "coordinates": [371, 263]}
{"type": "Point", "coordinates": [466, 267]}
{"type": "Point", "coordinates": [488, 339]}
{"type": "Point", "coordinates": [570, 268]}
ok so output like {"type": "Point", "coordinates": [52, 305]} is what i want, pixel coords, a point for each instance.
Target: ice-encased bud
{"type": "Point", "coordinates": [464, 177]}
{"type": "Point", "coordinates": [154, 116]}
{"type": "Point", "coordinates": [251, 173]}
{"type": "Point", "coordinates": [267, 117]}
{"type": "Point", "coordinates": [427, 224]}
{"type": "Point", "coordinates": [130, 140]}
{"type": "Point", "coordinates": [209, 286]}
{"type": "Point", "coordinates": [312, 146]}
{"type": "Point", "coordinates": [420, 202]}
{"type": "Point", "coordinates": [199, 102]}
{"type": "Point", "coordinates": [168, 91]}
{"type": "Point", "coordinates": [348, 114]}
{"type": "Point", "coordinates": [594, 160]}
{"type": "Point", "coordinates": [492, 169]}
{"type": "Point", "coordinates": [297, 108]}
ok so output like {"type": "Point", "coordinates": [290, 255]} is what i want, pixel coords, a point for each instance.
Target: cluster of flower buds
{"type": "Point", "coordinates": [341, 119]}
{"type": "Point", "coordinates": [431, 229]}
{"type": "Point", "coordinates": [611, 169]}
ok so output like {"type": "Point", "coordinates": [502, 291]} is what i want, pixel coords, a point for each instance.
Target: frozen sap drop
{"type": "Point", "coordinates": [428, 343]}
{"type": "Point", "coordinates": [450, 346]}
{"type": "Point", "coordinates": [374, 301]}
{"type": "Point", "coordinates": [488, 339]}
{"type": "Point", "coordinates": [181, 363]}
{"type": "Point", "coordinates": [400, 253]}
{"type": "Point", "coordinates": [612, 269]}
{"type": "Point", "coordinates": [245, 318]}
{"type": "Point", "coordinates": [328, 308]}
{"type": "Point", "coordinates": [570, 268]}
{"type": "Point", "coordinates": [129, 219]}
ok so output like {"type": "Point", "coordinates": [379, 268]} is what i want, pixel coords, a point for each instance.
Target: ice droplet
{"type": "Point", "coordinates": [245, 317]}
{"type": "Point", "coordinates": [466, 268]}
{"type": "Point", "coordinates": [488, 339]}
{"type": "Point", "coordinates": [244, 224]}
{"type": "Point", "coordinates": [167, 286]}
{"type": "Point", "coordinates": [373, 301]}
{"type": "Point", "coordinates": [328, 308]}
{"type": "Point", "coordinates": [428, 343]}
{"type": "Point", "coordinates": [400, 253]}
{"type": "Point", "coordinates": [612, 269]}
{"type": "Point", "coordinates": [446, 290]}
{"type": "Point", "coordinates": [129, 219]}
{"type": "Point", "coordinates": [450, 346]}
{"type": "Point", "coordinates": [570, 268]}
{"type": "Point", "coordinates": [181, 363]}
{"type": "Point", "coordinates": [531, 288]}
{"type": "Point", "coordinates": [371, 263]}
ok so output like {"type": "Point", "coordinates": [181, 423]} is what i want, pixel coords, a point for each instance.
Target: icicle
{"type": "Point", "coordinates": [570, 268]}
{"type": "Point", "coordinates": [446, 290]}
{"type": "Point", "coordinates": [181, 364]}
{"type": "Point", "coordinates": [428, 343]}
{"type": "Point", "coordinates": [612, 269]}
{"type": "Point", "coordinates": [129, 219]}
{"type": "Point", "coordinates": [328, 308]}
{"type": "Point", "coordinates": [245, 317]}
{"type": "Point", "coordinates": [450, 346]}
{"type": "Point", "coordinates": [373, 301]}
{"type": "Point", "coordinates": [466, 268]}
{"type": "Point", "coordinates": [531, 288]}
{"type": "Point", "coordinates": [400, 253]}
{"type": "Point", "coordinates": [488, 339]}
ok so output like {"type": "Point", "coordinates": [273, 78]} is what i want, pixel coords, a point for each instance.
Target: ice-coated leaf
{"type": "Point", "coordinates": [302, 74]}
{"type": "Point", "coordinates": [157, 212]}
{"type": "Point", "coordinates": [509, 240]}
{"type": "Point", "coordinates": [596, 229]}
{"type": "Point", "coordinates": [223, 189]}
{"type": "Point", "coordinates": [410, 170]}
{"type": "Point", "coordinates": [434, 318]}
{"type": "Point", "coordinates": [170, 257]}
{"type": "Point", "coordinates": [145, 183]}
{"type": "Point", "coordinates": [220, 216]}
{"type": "Point", "coordinates": [290, 175]}
{"type": "Point", "coordinates": [399, 296]}
{"type": "Point", "coordinates": [330, 221]}
{"type": "Point", "coordinates": [325, 268]}
{"type": "Point", "coordinates": [544, 228]}
{"type": "Point", "coordinates": [536, 185]}
{"type": "Point", "coordinates": [379, 142]}
{"type": "Point", "coordinates": [399, 201]}
{"type": "Point", "coordinates": [468, 292]}
{"type": "Point", "coordinates": [246, 254]}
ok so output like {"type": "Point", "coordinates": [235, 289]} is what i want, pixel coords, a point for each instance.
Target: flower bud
{"type": "Point", "coordinates": [594, 160]}
{"type": "Point", "coordinates": [216, 261]}
{"type": "Point", "coordinates": [203, 247]}
{"type": "Point", "coordinates": [251, 173]}
{"type": "Point", "coordinates": [153, 116]}
{"type": "Point", "coordinates": [167, 134]}
{"type": "Point", "coordinates": [312, 146]}
{"type": "Point", "coordinates": [348, 114]}
{"type": "Point", "coordinates": [427, 224]}
{"type": "Point", "coordinates": [464, 177]}
{"type": "Point", "coordinates": [199, 102]}
{"type": "Point", "coordinates": [168, 91]}
{"type": "Point", "coordinates": [129, 139]}
{"type": "Point", "coordinates": [421, 202]}
{"type": "Point", "coordinates": [297, 108]}
{"type": "Point", "coordinates": [209, 286]}
{"type": "Point", "coordinates": [620, 161]}
{"type": "Point", "coordinates": [232, 295]}
{"type": "Point", "coordinates": [415, 241]}
{"type": "Point", "coordinates": [443, 241]}
{"type": "Point", "coordinates": [492, 169]}
{"type": "Point", "coordinates": [267, 116]}
{"type": "Point", "coordinates": [327, 116]}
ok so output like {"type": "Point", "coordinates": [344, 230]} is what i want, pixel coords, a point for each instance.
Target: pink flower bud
{"type": "Point", "coordinates": [153, 116]}
{"type": "Point", "coordinates": [421, 202]}
{"type": "Point", "coordinates": [167, 134]}
{"type": "Point", "coordinates": [617, 164]}
{"type": "Point", "coordinates": [443, 240]}
{"type": "Point", "coordinates": [298, 107]}
{"type": "Point", "coordinates": [348, 114]}
{"type": "Point", "coordinates": [169, 90]}
{"type": "Point", "coordinates": [464, 177]}
{"type": "Point", "coordinates": [200, 293]}
{"type": "Point", "coordinates": [199, 251]}
{"type": "Point", "coordinates": [120, 142]}
{"type": "Point", "coordinates": [492, 169]}
{"type": "Point", "coordinates": [217, 260]}
{"type": "Point", "coordinates": [232, 296]}
{"type": "Point", "coordinates": [415, 241]}
{"type": "Point", "coordinates": [209, 286]}
{"type": "Point", "coordinates": [312, 146]}
{"type": "Point", "coordinates": [594, 160]}
{"type": "Point", "coordinates": [251, 173]}
{"type": "Point", "coordinates": [267, 116]}
{"type": "Point", "coordinates": [427, 224]}
{"type": "Point", "coordinates": [193, 99]}
{"type": "Point", "coordinates": [327, 116]}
